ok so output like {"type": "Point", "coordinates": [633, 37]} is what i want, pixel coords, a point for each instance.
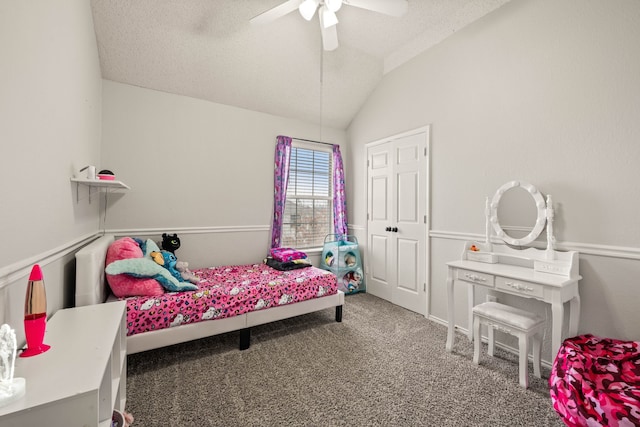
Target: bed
{"type": "Point", "coordinates": [171, 324]}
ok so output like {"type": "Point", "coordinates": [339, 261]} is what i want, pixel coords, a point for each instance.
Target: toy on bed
{"type": "Point", "coordinates": [168, 261]}
{"type": "Point", "coordinates": [131, 270]}
{"type": "Point", "coordinates": [187, 275]}
{"type": "Point", "coordinates": [170, 242]}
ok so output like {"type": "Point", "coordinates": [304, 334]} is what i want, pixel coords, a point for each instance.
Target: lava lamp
{"type": "Point", "coordinates": [35, 314]}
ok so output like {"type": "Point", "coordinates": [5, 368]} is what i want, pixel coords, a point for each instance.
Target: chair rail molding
{"type": "Point", "coordinates": [20, 269]}
{"type": "Point", "coordinates": [624, 252]}
{"type": "Point", "coordinates": [190, 230]}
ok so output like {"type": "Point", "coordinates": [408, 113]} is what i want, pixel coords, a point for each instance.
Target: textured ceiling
{"type": "Point", "coordinates": [207, 49]}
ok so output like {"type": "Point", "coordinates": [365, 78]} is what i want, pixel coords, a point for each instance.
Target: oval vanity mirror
{"type": "Point", "coordinates": [518, 213]}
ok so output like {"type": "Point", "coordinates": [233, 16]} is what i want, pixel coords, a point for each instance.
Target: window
{"type": "Point", "coordinates": [308, 213]}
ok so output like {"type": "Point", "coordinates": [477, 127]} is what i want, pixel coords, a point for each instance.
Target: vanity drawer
{"type": "Point", "coordinates": [475, 277]}
{"type": "Point", "coordinates": [519, 287]}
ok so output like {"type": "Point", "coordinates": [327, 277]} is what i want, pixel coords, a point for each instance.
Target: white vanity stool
{"type": "Point", "coordinates": [514, 321]}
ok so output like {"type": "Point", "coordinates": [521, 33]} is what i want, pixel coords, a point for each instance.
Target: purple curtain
{"type": "Point", "coordinates": [339, 202]}
{"type": "Point", "coordinates": [280, 181]}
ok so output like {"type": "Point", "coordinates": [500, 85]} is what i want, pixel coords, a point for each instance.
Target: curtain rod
{"type": "Point", "coordinates": [315, 142]}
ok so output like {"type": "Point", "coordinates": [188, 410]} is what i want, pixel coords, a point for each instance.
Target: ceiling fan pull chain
{"type": "Point", "coordinates": [321, 86]}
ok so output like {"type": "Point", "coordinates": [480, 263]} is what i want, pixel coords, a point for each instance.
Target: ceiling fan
{"type": "Point", "coordinates": [327, 13]}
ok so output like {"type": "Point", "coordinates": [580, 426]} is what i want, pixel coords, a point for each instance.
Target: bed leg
{"type": "Point", "coordinates": [338, 313]}
{"type": "Point", "coordinates": [245, 338]}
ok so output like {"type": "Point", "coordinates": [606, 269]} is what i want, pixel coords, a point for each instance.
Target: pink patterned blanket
{"type": "Point", "coordinates": [228, 291]}
{"type": "Point", "coordinates": [287, 254]}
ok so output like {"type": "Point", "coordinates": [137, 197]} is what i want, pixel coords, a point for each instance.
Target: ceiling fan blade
{"type": "Point", "coordinates": [329, 36]}
{"type": "Point", "coordinates": [276, 12]}
{"type": "Point", "coordinates": [388, 7]}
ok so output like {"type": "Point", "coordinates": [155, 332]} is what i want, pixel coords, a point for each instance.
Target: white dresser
{"type": "Point", "coordinates": [82, 378]}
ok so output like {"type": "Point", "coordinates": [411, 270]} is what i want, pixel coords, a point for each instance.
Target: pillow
{"type": "Point", "coordinates": [125, 285]}
{"type": "Point", "coordinates": [145, 267]}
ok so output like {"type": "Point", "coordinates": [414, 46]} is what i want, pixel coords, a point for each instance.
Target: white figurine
{"type": "Point", "coordinates": [10, 388]}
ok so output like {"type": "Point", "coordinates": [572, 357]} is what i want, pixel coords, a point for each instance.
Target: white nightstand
{"type": "Point", "coordinates": [82, 378]}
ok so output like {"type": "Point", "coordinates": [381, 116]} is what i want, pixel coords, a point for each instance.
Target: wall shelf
{"type": "Point", "coordinates": [102, 183]}
{"type": "Point", "coordinates": [98, 183]}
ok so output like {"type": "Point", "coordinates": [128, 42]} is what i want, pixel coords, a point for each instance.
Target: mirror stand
{"type": "Point", "coordinates": [551, 240]}
{"type": "Point", "coordinates": [547, 260]}
{"type": "Point", "coordinates": [487, 213]}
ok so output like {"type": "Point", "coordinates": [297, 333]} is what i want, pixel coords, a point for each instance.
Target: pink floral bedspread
{"type": "Point", "coordinates": [228, 291]}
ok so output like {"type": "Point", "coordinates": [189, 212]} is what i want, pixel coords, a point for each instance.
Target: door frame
{"type": "Point", "coordinates": [427, 182]}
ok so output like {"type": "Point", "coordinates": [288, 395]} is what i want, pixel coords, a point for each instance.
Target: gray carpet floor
{"type": "Point", "coordinates": [382, 366]}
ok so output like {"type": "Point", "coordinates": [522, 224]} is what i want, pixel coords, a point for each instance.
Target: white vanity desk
{"type": "Point", "coordinates": [546, 275]}
{"type": "Point", "coordinates": [516, 280]}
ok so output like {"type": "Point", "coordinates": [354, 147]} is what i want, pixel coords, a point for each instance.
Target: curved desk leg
{"type": "Point", "coordinates": [557, 309]}
{"type": "Point", "coordinates": [557, 319]}
{"type": "Point", "coordinates": [574, 315]}
{"type": "Point", "coordinates": [471, 297]}
{"type": "Point", "coordinates": [450, 314]}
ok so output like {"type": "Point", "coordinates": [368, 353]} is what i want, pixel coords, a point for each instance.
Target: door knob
{"type": "Point", "coordinates": [394, 229]}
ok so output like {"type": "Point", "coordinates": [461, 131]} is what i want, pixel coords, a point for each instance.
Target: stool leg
{"type": "Point", "coordinates": [523, 342]}
{"type": "Point", "coordinates": [492, 339]}
{"type": "Point", "coordinates": [537, 348]}
{"type": "Point", "coordinates": [476, 340]}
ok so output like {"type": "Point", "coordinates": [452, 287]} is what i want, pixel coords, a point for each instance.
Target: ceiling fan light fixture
{"type": "Point", "coordinates": [333, 5]}
{"type": "Point", "coordinates": [308, 8]}
{"type": "Point", "coordinates": [329, 18]}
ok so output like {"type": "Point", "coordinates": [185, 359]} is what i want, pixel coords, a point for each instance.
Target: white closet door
{"type": "Point", "coordinates": [380, 269]}
{"type": "Point", "coordinates": [397, 237]}
{"type": "Point", "coordinates": [409, 213]}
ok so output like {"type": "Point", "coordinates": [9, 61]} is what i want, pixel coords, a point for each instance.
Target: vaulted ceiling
{"type": "Point", "coordinates": [207, 49]}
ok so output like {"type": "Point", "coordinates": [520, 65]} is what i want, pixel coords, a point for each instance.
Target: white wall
{"type": "Point", "coordinates": [200, 169]}
{"type": "Point", "coordinates": [50, 107]}
{"type": "Point", "coordinates": [542, 91]}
